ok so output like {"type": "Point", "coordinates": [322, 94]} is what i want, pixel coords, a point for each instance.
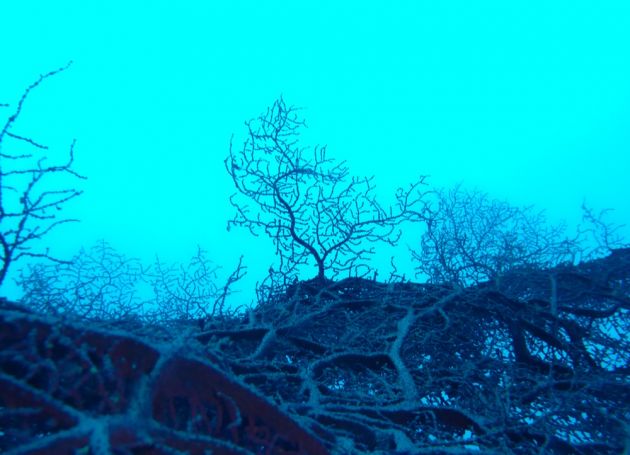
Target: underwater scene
{"type": "Point", "coordinates": [314, 227]}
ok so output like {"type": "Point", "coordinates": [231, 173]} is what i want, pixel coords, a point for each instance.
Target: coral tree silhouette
{"type": "Point", "coordinates": [29, 212]}
{"type": "Point", "coordinates": [308, 204]}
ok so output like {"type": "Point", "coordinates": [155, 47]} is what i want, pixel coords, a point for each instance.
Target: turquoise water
{"type": "Point", "coordinates": [529, 101]}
